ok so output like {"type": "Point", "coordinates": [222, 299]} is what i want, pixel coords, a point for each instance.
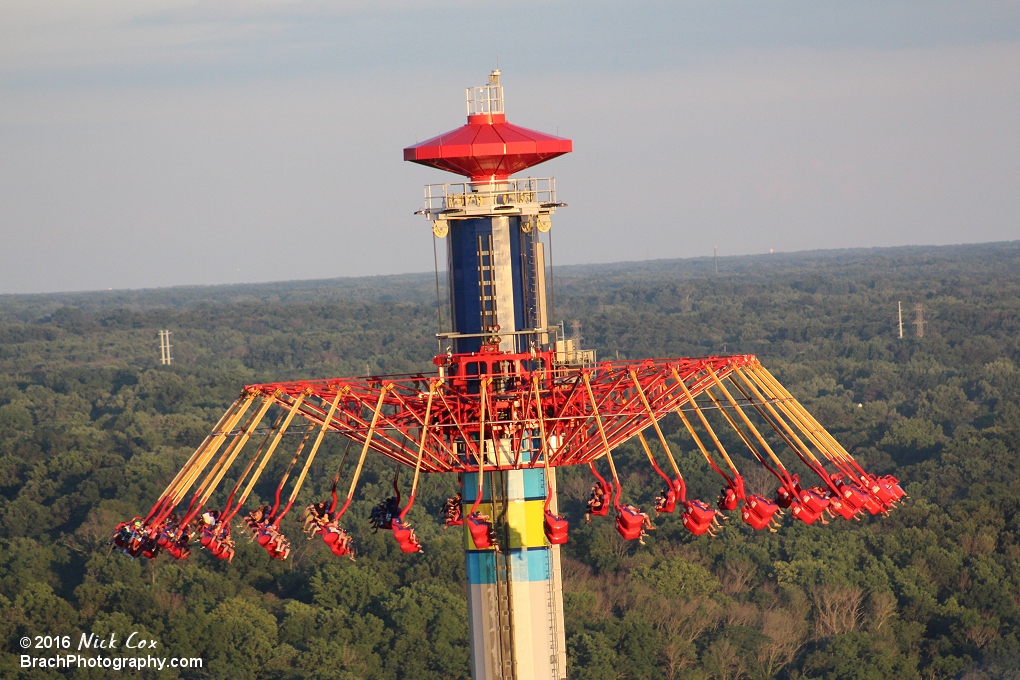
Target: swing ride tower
{"type": "Point", "coordinates": [496, 266]}
{"type": "Point", "coordinates": [509, 401]}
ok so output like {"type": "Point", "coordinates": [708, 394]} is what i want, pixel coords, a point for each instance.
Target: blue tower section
{"type": "Point", "coordinates": [492, 269]}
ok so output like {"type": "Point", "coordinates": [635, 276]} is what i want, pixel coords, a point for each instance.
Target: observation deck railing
{"type": "Point", "coordinates": [526, 196]}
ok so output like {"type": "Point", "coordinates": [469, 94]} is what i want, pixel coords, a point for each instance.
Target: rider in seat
{"type": "Point", "coordinates": [596, 502]}
{"type": "Point", "coordinates": [451, 512]}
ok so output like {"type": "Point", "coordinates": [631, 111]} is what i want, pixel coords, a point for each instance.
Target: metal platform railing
{"type": "Point", "coordinates": [526, 196]}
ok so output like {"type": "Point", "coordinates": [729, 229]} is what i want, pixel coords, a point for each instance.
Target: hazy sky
{"type": "Point", "coordinates": [153, 142]}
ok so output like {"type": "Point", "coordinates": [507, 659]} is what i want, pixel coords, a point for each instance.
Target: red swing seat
{"type": "Point", "coordinates": [628, 523]}
{"type": "Point", "coordinates": [602, 510]}
{"type": "Point", "coordinates": [758, 511]}
{"type": "Point", "coordinates": [405, 537]}
{"type": "Point", "coordinates": [813, 500]}
{"type": "Point", "coordinates": [692, 526]}
{"type": "Point", "coordinates": [697, 517]}
{"type": "Point", "coordinates": [728, 500]}
{"type": "Point", "coordinates": [555, 528]}
{"type": "Point", "coordinates": [668, 503]}
{"type": "Point", "coordinates": [880, 490]}
{"type": "Point", "coordinates": [331, 535]}
{"type": "Point", "coordinates": [804, 513]}
{"type": "Point", "coordinates": [480, 531]}
{"type": "Point", "coordinates": [837, 505]}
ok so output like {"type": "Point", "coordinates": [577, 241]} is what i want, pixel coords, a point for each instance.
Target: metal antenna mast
{"type": "Point", "coordinates": [899, 311]}
{"type": "Point", "coordinates": [919, 319]}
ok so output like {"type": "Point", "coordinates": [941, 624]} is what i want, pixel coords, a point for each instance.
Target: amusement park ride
{"type": "Point", "coordinates": [509, 402]}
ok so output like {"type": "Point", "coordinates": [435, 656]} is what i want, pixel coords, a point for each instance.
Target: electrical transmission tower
{"type": "Point", "coordinates": [165, 358]}
{"type": "Point", "coordinates": [919, 319]}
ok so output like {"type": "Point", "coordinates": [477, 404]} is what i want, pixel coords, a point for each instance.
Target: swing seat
{"type": "Point", "coordinates": [122, 535]}
{"type": "Point", "coordinates": [814, 501]}
{"type": "Point", "coordinates": [264, 538]}
{"type": "Point", "coordinates": [752, 520]}
{"type": "Point", "coordinates": [602, 510]}
{"type": "Point", "coordinates": [804, 513]}
{"type": "Point", "coordinates": [628, 523]}
{"type": "Point", "coordinates": [881, 491]}
{"type": "Point", "coordinates": [330, 535]}
{"type": "Point", "coordinates": [700, 512]}
{"type": "Point", "coordinates": [894, 487]}
{"type": "Point", "coordinates": [783, 497]}
{"type": "Point", "coordinates": [728, 500]}
{"type": "Point", "coordinates": [758, 511]}
{"type": "Point", "coordinates": [555, 528]}
{"type": "Point", "coordinates": [668, 501]}
{"type": "Point", "coordinates": [853, 497]}
{"type": "Point", "coordinates": [480, 530]}
{"type": "Point", "coordinates": [839, 507]}
{"type": "Point", "coordinates": [873, 506]}
{"type": "Point", "coordinates": [692, 526]}
{"type": "Point", "coordinates": [405, 537]}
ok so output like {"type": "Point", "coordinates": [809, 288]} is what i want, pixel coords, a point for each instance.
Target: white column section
{"type": "Point", "coordinates": [539, 274]}
{"type": "Point", "coordinates": [503, 279]}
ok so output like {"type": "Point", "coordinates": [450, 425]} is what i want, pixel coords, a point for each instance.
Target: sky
{"type": "Point", "coordinates": [150, 143]}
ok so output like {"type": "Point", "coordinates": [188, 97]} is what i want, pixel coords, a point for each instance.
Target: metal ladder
{"type": "Point", "coordinates": [504, 594]}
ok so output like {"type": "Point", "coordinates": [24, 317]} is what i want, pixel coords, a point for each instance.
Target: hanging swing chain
{"type": "Point", "coordinates": [822, 438]}
{"type": "Point", "coordinates": [651, 459]}
{"type": "Point", "coordinates": [202, 463]}
{"type": "Point", "coordinates": [272, 449]}
{"type": "Point", "coordinates": [544, 450]}
{"type": "Point", "coordinates": [750, 426]}
{"type": "Point", "coordinates": [238, 445]}
{"type": "Point", "coordinates": [227, 513]}
{"type": "Point", "coordinates": [286, 475]}
{"type": "Point", "coordinates": [336, 479]}
{"type": "Point", "coordinates": [605, 441]}
{"type": "Point", "coordinates": [480, 451]}
{"type": "Point", "coordinates": [188, 480]}
{"type": "Point", "coordinates": [433, 386]}
{"type": "Point", "coordinates": [311, 454]}
{"type": "Point", "coordinates": [704, 423]}
{"type": "Point", "coordinates": [364, 449]}
{"type": "Point", "coordinates": [205, 489]}
{"type": "Point", "coordinates": [171, 488]}
{"type": "Point", "coordinates": [658, 430]}
{"type": "Point", "coordinates": [789, 436]}
{"type": "Point", "coordinates": [740, 433]}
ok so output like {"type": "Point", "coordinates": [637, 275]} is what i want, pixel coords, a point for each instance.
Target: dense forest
{"type": "Point", "coordinates": [92, 428]}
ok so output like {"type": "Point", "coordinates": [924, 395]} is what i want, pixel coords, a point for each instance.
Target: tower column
{"type": "Point", "coordinates": [515, 602]}
{"type": "Point", "coordinates": [496, 269]}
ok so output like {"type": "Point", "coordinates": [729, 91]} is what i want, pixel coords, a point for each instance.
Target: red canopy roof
{"type": "Point", "coordinates": [487, 148]}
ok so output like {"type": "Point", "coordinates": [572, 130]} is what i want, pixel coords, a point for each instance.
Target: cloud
{"type": "Point", "coordinates": [169, 143]}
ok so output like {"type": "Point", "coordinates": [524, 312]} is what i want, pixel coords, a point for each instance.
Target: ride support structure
{"type": "Point", "coordinates": [509, 401]}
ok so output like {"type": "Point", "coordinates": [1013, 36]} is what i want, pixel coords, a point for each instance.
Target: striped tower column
{"type": "Point", "coordinates": [515, 595]}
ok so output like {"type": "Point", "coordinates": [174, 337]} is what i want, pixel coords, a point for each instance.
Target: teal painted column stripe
{"type": "Point", "coordinates": [522, 485]}
{"type": "Point", "coordinates": [526, 564]}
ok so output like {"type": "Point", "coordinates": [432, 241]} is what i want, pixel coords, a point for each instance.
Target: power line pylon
{"type": "Point", "coordinates": [165, 358]}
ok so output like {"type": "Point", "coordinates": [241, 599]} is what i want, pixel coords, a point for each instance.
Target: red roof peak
{"type": "Point", "coordinates": [487, 148]}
